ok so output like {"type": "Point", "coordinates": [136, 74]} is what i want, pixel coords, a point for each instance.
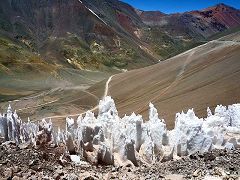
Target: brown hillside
{"type": "Point", "coordinates": [204, 76]}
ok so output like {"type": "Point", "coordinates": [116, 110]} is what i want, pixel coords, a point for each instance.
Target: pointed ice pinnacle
{"type": "Point", "coordinates": [209, 112]}
{"type": "Point", "coordinates": [110, 139]}
{"type": "Point", "coordinates": [9, 110]}
{"type": "Point", "coordinates": [79, 120]}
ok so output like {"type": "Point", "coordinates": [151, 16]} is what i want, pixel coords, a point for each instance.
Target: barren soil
{"type": "Point", "coordinates": [199, 78]}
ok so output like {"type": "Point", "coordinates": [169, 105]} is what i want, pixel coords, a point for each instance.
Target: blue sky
{"type": "Point", "coordinates": [173, 6]}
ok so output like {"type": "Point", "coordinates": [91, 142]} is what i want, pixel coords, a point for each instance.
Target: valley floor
{"type": "Point", "coordinates": [52, 97]}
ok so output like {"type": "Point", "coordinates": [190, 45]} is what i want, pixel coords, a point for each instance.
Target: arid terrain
{"type": "Point", "coordinates": [89, 89]}
{"type": "Point", "coordinates": [54, 64]}
{"type": "Point", "coordinates": [201, 77]}
{"type": "Point", "coordinates": [45, 96]}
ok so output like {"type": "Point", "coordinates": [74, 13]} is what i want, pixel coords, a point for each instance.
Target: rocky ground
{"type": "Point", "coordinates": [26, 162]}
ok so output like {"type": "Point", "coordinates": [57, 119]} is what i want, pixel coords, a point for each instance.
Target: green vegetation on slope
{"type": "Point", "coordinates": [166, 45]}
{"type": "Point", "coordinates": [16, 57]}
{"type": "Point", "coordinates": [73, 51]}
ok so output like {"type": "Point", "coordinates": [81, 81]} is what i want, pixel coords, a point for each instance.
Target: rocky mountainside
{"type": "Point", "coordinates": [69, 33]}
{"type": "Point", "coordinates": [205, 22]}
{"type": "Point", "coordinates": [99, 35]}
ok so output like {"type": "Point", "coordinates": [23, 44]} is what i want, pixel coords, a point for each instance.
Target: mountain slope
{"type": "Point", "coordinates": [50, 43]}
{"type": "Point", "coordinates": [204, 22]}
{"type": "Point", "coordinates": [170, 34]}
{"type": "Point", "coordinates": [69, 33]}
{"type": "Point", "coordinates": [51, 51]}
{"type": "Point", "coordinates": [204, 76]}
{"type": "Point", "coordinates": [106, 34]}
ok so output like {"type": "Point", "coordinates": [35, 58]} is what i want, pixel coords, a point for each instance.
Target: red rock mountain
{"type": "Point", "coordinates": [206, 22]}
{"type": "Point", "coordinates": [104, 34]}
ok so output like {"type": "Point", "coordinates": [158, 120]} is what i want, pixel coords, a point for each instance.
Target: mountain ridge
{"type": "Point", "coordinates": [104, 34]}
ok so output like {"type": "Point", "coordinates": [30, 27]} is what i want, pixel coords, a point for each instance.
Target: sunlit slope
{"type": "Point", "coordinates": [204, 76]}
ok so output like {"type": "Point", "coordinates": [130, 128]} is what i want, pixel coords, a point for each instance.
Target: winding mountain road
{"type": "Point", "coordinates": [93, 109]}
{"type": "Point", "coordinates": [174, 83]}
{"type": "Point", "coordinates": [188, 60]}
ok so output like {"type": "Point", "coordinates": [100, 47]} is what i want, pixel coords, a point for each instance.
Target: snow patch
{"type": "Point", "coordinates": [75, 158]}
{"type": "Point", "coordinates": [94, 13]}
